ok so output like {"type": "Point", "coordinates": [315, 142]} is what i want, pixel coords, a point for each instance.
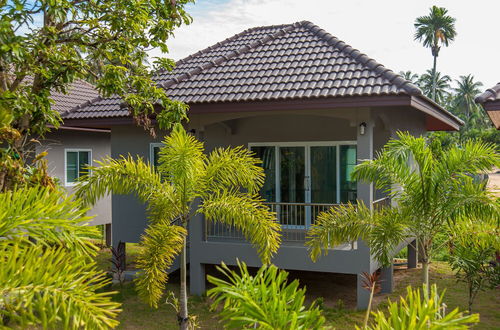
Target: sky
{"type": "Point", "coordinates": [382, 29]}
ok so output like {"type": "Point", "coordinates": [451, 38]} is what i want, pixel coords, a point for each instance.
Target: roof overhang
{"type": "Point", "coordinates": [437, 119]}
{"type": "Point", "coordinates": [493, 110]}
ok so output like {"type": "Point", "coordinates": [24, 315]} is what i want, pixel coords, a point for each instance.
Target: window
{"type": "Point", "coordinates": [77, 163]}
{"type": "Point", "coordinates": [154, 154]}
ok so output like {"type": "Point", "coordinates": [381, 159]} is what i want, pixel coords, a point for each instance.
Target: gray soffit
{"type": "Point", "coordinates": [288, 62]}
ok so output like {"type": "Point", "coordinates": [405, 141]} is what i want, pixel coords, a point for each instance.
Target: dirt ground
{"type": "Point", "coordinates": [494, 182]}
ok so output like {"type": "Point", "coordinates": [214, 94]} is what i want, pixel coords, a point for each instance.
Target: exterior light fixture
{"type": "Point", "coordinates": [362, 128]}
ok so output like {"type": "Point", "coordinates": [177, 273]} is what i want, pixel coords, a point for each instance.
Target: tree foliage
{"type": "Point", "coordinates": [265, 300]}
{"type": "Point", "coordinates": [45, 46]}
{"type": "Point", "coordinates": [474, 247]}
{"type": "Point", "coordinates": [222, 186]}
{"type": "Point", "coordinates": [47, 273]}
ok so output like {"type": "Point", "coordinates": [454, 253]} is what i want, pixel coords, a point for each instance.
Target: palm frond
{"type": "Point", "coordinates": [53, 287]}
{"type": "Point", "coordinates": [234, 168]}
{"type": "Point", "coordinates": [49, 216]}
{"type": "Point", "coordinates": [161, 242]}
{"type": "Point", "coordinates": [343, 224]}
{"type": "Point", "coordinates": [182, 161]}
{"type": "Point", "coordinates": [119, 176]}
{"type": "Point", "coordinates": [248, 214]}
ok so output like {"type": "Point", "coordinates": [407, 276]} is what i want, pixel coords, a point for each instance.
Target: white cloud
{"type": "Point", "coordinates": [383, 29]}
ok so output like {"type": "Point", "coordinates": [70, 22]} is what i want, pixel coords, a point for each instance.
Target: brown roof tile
{"type": "Point", "coordinates": [491, 94]}
{"type": "Point", "coordinates": [268, 63]}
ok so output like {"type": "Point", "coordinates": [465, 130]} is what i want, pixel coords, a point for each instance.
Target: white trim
{"type": "Point", "coordinates": [153, 145]}
{"type": "Point", "coordinates": [66, 150]}
{"type": "Point", "coordinates": [307, 154]}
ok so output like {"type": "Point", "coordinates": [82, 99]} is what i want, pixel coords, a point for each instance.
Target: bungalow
{"type": "Point", "coordinates": [490, 100]}
{"type": "Point", "coordinates": [310, 106]}
{"type": "Point", "coordinates": [71, 149]}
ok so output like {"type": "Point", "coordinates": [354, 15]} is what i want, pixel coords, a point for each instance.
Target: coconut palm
{"type": "Point", "coordinates": [223, 186]}
{"type": "Point", "coordinates": [434, 193]}
{"type": "Point", "coordinates": [434, 31]}
{"type": "Point", "coordinates": [435, 86]}
{"type": "Point", "coordinates": [410, 76]}
{"type": "Point", "coordinates": [48, 276]}
{"type": "Point", "coordinates": [464, 96]}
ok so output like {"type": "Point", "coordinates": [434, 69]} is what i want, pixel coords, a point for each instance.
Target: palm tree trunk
{"type": "Point", "coordinates": [183, 309]}
{"type": "Point", "coordinates": [425, 272]}
{"type": "Point", "coordinates": [434, 74]}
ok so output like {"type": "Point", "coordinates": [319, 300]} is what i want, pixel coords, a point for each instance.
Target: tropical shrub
{"type": "Point", "coordinates": [265, 300]}
{"type": "Point", "coordinates": [421, 310]}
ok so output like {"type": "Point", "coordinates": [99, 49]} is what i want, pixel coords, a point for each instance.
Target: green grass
{"type": "Point", "coordinates": [138, 315]}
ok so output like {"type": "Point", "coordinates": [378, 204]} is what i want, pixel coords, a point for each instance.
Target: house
{"type": "Point", "coordinates": [71, 149]}
{"type": "Point", "coordinates": [490, 100]}
{"type": "Point", "coordinates": [310, 106]}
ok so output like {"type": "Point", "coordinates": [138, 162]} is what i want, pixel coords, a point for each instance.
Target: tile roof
{"type": "Point", "coordinates": [491, 94]}
{"type": "Point", "coordinates": [282, 62]}
{"type": "Point", "coordinates": [78, 93]}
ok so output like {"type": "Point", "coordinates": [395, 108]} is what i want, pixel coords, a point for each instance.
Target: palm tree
{"type": "Point", "coordinates": [223, 186]}
{"type": "Point", "coordinates": [435, 86]}
{"type": "Point", "coordinates": [48, 275]}
{"type": "Point", "coordinates": [410, 76]}
{"type": "Point", "coordinates": [435, 30]}
{"type": "Point", "coordinates": [434, 194]}
{"type": "Point", "coordinates": [464, 95]}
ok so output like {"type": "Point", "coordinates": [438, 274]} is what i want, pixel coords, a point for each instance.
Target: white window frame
{"type": "Point", "coordinates": [153, 145]}
{"type": "Point", "coordinates": [66, 150]}
{"type": "Point", "coordinates": [307, 150]}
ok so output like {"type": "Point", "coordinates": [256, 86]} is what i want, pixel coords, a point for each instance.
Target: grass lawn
{"type": "Point", "coordinates": [339, 314]}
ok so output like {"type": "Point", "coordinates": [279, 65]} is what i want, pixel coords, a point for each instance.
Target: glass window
{"type": "Point", "coordinates": [77, 162]}
{"type": "Point", "coordinates": [324, 174]}
{"type": "Point", "coordinates": [268, 157]}
{"type": "Point", "coordinates": [348, 187]}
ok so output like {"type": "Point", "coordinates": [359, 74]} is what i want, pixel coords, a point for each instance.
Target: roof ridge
{"type": "Point", "coordinates": [82, 105]}
{"type": "Point", "coordinates": [235, 53]}
{"type": "Point", "coordinates": [490, 92]}
{"type": "Point", "coordinates": [394, 78]}
{"type": "Point", "coordinates": [220, 43]}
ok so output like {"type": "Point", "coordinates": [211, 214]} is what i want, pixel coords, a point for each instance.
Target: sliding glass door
{"type": "Point", "coordinates": [303, 178]}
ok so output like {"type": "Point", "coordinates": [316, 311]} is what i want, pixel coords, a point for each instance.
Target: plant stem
{"type": "Point", "coordinates": [368, 311]}
{"type": "Point", "coordinates": [183, 309]}
{"type": "Point", "coordinates": [434, 75]}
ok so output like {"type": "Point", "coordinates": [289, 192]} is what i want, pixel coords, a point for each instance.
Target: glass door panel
{"type": "Point", "coordinates": [323, 178]}
{"type": "Point", "coordinates": [292, 185]}
{"type": "Point", "coordinates": [268, 156]}
{"type": "Point", "coordinates": [348, 188]}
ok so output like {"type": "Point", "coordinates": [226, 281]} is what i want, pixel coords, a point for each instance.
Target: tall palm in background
{"type": "Point", "coordinates": [464, 97]}
{"type": "Point", "coordinates": [223, 186]}
{"type": "Point", "coordinates": [435, 192]}
{"type": "Point", "coordinates": [434, 31]}
{"type": "Point", "coordinates": [435, 86]}
{"type": "Point", "coordinates": [410, 76]}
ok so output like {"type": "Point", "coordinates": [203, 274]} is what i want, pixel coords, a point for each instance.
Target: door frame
{"type": "Point", "coordinates": [307, 154]}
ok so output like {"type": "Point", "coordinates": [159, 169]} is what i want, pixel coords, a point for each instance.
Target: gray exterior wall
{"type": "Point", "coordinates": [100, 144]}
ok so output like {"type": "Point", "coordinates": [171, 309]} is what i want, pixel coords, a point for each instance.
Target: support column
{"type": "Point", "coordinates": [387, 279]}
{"type": "Point", "coordinates": [197, 276]}
{"type": "Point", "coordinates": [107, 234]}
{"type": "Point", "coordinates": [362, 294]}
{"type": "Point", "coordinates": [412, 254]}
{"type": "Point", "coordinates": [364, 147]}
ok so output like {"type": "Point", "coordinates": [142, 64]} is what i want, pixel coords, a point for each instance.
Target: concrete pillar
{"type": "Point", "coordinates": [197, 276]}
{"type": "Point", "coordinates": [365, 151]}
{"type": "Point", "coordinates": [197, 279]}
{"type": "Point", "coordinates": [412, 254]}
{"type": "Point", "coordinates": [387, 279]}
{"type": "Point", "coordinates": [362, 294]}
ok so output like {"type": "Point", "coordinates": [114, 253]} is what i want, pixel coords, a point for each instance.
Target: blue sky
{"type": "Point", "coordinates": [382, 29]}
